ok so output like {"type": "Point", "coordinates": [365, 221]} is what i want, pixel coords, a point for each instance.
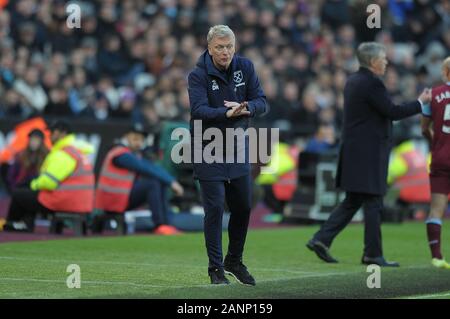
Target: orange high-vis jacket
{"type": "Point", "coordinates": [3, 3]}
{"type": "Point", "coordinates": [20, 139]}
{"type": "Point", "coordinates": [114, 184]}
{"type": "Point", "coordinates": [76, 192]}
{"type": "Point", "coordinates": [414, 186]}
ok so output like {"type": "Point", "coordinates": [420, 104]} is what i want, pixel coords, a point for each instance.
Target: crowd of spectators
{"type": "Point", "coordinates": [130, 58]}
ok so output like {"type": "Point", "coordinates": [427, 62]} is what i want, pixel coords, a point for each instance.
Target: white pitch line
{"type": "Point", "coordinates": [147, 264]}
{"type": "Point", "coordinates": [304, 274]}
{"type": "Point", "coordinates": [447, 294]}
{"type": "Point", "coordinates": [93, 282]}
{"type": "Point", "coordinates": [170, 265]}
{"type": "Point", "coordinates": [313, 275]}
{"type": "Point", "coordinates": [208, 286]}
{"type": "Point", "coordinates": [126, 283]}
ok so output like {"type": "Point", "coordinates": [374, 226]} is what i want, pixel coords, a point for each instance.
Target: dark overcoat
{"type": "Point", "coordinates": [367, 133]}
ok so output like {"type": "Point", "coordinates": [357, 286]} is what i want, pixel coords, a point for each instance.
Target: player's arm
{"type": "Point", "coordinates": [426, 121]}
{"type": "Point", "coordinates": [427, 130]}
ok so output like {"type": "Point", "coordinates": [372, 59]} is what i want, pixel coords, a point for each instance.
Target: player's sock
{"type": "Point", "coordinates": [434, 236]}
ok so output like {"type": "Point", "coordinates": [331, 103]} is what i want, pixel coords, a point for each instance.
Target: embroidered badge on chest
{"type": "Point", "coordinates": [214, 86]}
{"type": "Point", "coordinates": [238, 77]}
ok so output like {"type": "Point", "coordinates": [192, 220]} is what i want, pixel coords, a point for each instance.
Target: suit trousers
{"type": "Point", "coordinates": [237, 193]}
{"type": "Point", "coordinates": [343, 214]}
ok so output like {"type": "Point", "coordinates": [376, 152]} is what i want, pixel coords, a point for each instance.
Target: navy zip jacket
{"type": "Point", "coordinates": [208, 87]}
{"type": "Point", "coordinates": [143, 166]}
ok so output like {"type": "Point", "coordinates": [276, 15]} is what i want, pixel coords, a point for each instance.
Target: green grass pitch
{"type": "Point", "coordinates": [147, 266]}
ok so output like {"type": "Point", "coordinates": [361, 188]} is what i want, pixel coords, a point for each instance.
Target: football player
{"type": "Point", "coordinates": [436, 128]}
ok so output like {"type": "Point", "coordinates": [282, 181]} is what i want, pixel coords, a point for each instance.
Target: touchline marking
{"type": "Point", "coordinates": [207, 286]}
{"type": "Point", "coordinates": [93, 282]}
{"type": "Point", "coordinates": [172, 265]}
{"type": "Point", "coordinates": [126, 283]}
{"type": "Point", "coordinates": [430, 296]}
{"type": "Point", "coordinates": [147, 264]}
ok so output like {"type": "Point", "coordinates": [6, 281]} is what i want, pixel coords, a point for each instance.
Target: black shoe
{"type": "Point", "coordinates": [380, 261]}
{"type": "Point", "coordinates": [239, 272]}
{"type": "Point", "coordinates": [218, 277]}
{"type": "Point", "coordinates": [321, 251]}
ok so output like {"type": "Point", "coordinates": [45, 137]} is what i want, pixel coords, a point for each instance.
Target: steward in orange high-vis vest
{"type": "Point", "coordinates": [128, 180]}
{"type": "Point", "coordinates": [66, 182]}
{"type": "Point", "coordinates": [76, 192]}
{"type": "Point", "coordinates": [114, 184]}
{"type": "Point", "coordinates": [408, 173]}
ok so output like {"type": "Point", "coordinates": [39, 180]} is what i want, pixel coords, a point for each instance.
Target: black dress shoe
{"type": "Point", "coordinates": [239, 271]}
{"type": "Point", "coordinates": [321, 251]}
{"type": "Point", "coordinates": [218, 277]}
{"type": "Point", "coordinates": [380, 261]}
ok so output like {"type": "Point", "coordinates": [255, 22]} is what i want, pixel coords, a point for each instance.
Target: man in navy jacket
{"type": "Point", "coordinates": [150, 181]}
{"type": "Point", "coordinates": [224, 92]}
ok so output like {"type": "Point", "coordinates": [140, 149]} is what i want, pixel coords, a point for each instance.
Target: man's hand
{"type": "Point", "coordinates": [425, 96]}
{"type": "Point", "coordinates": [236, 109]}
{"type": "Point", "coordinates": [177, 188]}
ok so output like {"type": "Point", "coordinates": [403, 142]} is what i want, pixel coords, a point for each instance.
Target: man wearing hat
{"type": "Point", "coordinates": [127, 181]}
{"type": "Point", "coordinates": [65, 182]}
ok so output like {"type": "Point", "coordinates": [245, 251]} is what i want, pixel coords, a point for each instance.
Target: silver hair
{"type": "Point", "coordinates": [367, 51]}
{"type": "Point", "coordinates": [219, 31]}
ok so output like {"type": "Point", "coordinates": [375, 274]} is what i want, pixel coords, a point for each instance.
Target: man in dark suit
{"type": "Point", "coordinates": [364, 154]}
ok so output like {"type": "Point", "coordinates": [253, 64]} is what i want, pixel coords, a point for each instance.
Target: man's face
{"type": "Point", "coordinates": [135, 141]}
{"type": "Point", "coordinates": [34, 142]}
{"type": "Point", "coordinates": [222, 51]}
{"type": "Point", "coordinates": [379, 64]}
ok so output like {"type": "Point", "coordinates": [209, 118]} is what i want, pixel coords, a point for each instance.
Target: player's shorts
{"type": "Point", "coordinates": [440, 182]}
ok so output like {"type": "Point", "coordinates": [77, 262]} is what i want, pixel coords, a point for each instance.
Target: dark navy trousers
{"type": "Point", "coordinates": [343, 214]}
{"type": "Point", "coordinates": [150, 191]}
{"type": "Point", "coordinates": [237, 193]}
